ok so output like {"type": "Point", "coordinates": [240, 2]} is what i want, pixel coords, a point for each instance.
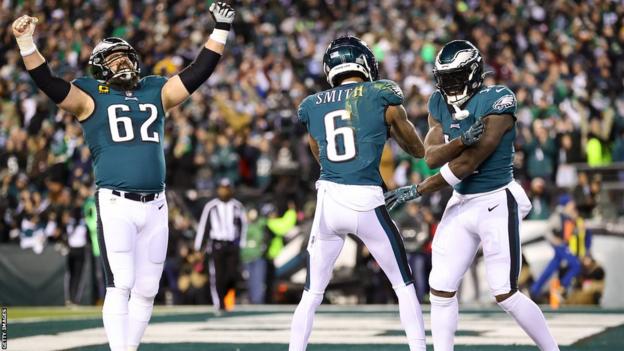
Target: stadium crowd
{"type": "Point", "coordinates": [564, 60]}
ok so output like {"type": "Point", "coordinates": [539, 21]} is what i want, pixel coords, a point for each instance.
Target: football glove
{"type": "Point", "coordinates": [397, 197]}
{"type": "Point", "coordinates": [472, 135]}
{"type": "Point", "coordinates": [223, 15]}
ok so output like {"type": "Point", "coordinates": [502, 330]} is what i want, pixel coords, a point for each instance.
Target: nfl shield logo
{"type": "Point", "coordinates": [128, 93]}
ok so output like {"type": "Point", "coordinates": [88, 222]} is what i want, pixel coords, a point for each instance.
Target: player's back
{"type": "Point", "coordinates": [348, 123]}
{"type": "Point", "coordinates": [124, 134]}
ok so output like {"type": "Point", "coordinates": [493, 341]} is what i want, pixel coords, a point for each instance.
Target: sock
{"type": "Point", "coordinates": [444, 318]}
{"type": "Point", "coordinates": [115, 317]}
{"type": "Point", "coordinates": [302, 320]}
{"type": "Point", "coordinates": [531, 320]}
{"type": "Point", "coordinates": [139, 313]}
{"type": "Point", "coordinates": [411, 317]}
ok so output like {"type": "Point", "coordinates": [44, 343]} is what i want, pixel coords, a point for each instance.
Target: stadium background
{"type": "Point", "coordinates": [564, 60]}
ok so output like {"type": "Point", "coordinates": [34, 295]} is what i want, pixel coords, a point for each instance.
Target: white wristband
{"type": "Point", "coordinates": [26, 44]}
{"type": "Point", "coordinates": [219, 35]}
{"type": "Point", "coordinates": [448, 175]}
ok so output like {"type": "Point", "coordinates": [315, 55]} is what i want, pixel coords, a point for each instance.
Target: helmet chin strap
{"type": "Point", "coordinates": [459, 113]}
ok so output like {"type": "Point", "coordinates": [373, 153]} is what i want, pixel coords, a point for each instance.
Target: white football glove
{"type": "Point", "coordinates": [223, 15]}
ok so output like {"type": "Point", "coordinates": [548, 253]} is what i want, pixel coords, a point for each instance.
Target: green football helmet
{"type": "Point", "coordinates": [127, 77]}
{"type": "Point", "coordinates": [348, 56]}
{"type": "Point", "coordinates": [458, 71]}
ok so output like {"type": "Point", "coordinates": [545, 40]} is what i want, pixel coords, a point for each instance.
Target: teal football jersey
{"type": "Point", "coordinates": [348, 123]}
{"type": "Point", "coordinates": [497, 170]}
{"type": "Point", "coordinates": [125, 135]}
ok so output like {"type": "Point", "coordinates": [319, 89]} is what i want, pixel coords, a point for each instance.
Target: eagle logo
{"type": "Point", "coordinates": [504, 102]}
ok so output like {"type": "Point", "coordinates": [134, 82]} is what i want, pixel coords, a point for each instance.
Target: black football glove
{"type": "Point", "coordinates": [397, 197]}
{"type": "Point", "coordinates": [472, 135]}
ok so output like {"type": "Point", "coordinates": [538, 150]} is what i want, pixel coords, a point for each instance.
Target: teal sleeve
{"type": "Point", "coordinates": [156, 81]}
{"type": "Point", "coordinates": [87, 84]}
{"type": "Point", "coordinates": [434, 105]}
{"type": "Point", "coordinates": [389, 92]}
{"type": "Point", "coordinates": [499, 100]}
{"type": "Point", "coordinates": [302, 111]}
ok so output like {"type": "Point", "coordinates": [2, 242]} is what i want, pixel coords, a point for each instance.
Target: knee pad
{"type": "Point", "coordinates": [116, 301]}
{"type": "Point", "coordinates": [140, 306]}
{"type": "Point", "coordinates": [312, 299]}
{"type": "Point", "coordinates": [147, 287]}
{"type": "Point", "coordinates": [123, 279]}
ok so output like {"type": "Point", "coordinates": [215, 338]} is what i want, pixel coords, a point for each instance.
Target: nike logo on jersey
{"type": "Point", "coordinates": [491, 208]}
{"type": "Point", "coordinates": [161, 206]}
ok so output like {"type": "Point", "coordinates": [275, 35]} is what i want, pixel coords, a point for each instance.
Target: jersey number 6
{"type": "Point", "coordinates": [332, 133]}
{"type": "Point", "coordinates": [114, 121]}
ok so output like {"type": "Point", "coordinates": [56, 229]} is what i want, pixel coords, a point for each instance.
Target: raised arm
{"type": "Point", "coordinates": [181, 86]}
{"type": "Point", "coordinates": [437, 152]}
{"type": "Point", "coordinates": [63, 93]}
{"type": "Point", "coordinates": [403, 131]}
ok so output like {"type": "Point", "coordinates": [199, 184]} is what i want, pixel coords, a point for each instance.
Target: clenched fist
{"type": "Point", "coordinates": [23, 29]}
{"type": "Point", "coordinates": [24, 25]}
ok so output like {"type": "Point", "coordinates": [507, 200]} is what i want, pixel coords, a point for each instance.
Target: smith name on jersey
{"type": "Point", "coordinates": [348, 122]}
{"type": "Point", "coordinates": [497, 170]}
{"type": "Point", "coordinates": [125, 133]}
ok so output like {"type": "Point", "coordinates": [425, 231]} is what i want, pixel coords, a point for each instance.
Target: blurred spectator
{"type": "Point", "coordinates": [253, 256]}
{"type": "Point", "coordinates": [583, 196]}
{"type": "Point", "coordinates": [571, 242]}
{"type": "Point", "coordinates": [278, 227]}
{"type": "Point", "coordinates": [417, 229]}
{"type": "Point", "coordinates": [541, 152]}
{"type": "Point", "coordinates": [598, 150]}
{"type": "Point", "coordinates": [539, 199]}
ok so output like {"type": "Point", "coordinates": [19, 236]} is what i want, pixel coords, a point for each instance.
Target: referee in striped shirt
{"type": "Point", "coordinates": [220, 234]}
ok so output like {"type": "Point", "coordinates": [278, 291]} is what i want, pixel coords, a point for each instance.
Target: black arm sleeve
{"type": "Point", "coordinates": [55, 88]}
{"type": "Point", "coordinates": [199, 70]}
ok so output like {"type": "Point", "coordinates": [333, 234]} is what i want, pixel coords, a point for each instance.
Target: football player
{"type": "Point", "coordinates": [471, 135]}
{"type": "Point", "coordinates": [348, 126]}
{"type": "Point", "coordinates": [122, 117]}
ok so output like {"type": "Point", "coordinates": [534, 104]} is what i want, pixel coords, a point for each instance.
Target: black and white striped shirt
{"type": "Point", "coordinates": [222, 221]}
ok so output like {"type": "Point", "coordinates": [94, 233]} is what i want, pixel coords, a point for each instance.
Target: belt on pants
{"type": "Point", "coordinates": [136, 196]}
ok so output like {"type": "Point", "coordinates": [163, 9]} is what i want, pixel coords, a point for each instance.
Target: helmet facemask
{"type": "Point", "coordinates": [126, 74]}
{"type": "Point", "coordinates": [116, 63]}
{"type": "Point", "coordinates": [460, 76]}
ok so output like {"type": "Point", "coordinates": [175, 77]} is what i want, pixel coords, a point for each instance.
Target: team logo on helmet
{"type": "Point", "coordinates": [126, 77]}
{"type": "Point", "coordinates": [458, 71]}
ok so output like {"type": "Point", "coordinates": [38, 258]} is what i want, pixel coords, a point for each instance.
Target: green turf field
{"type": "Point", "coordinates": [337, 328]}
